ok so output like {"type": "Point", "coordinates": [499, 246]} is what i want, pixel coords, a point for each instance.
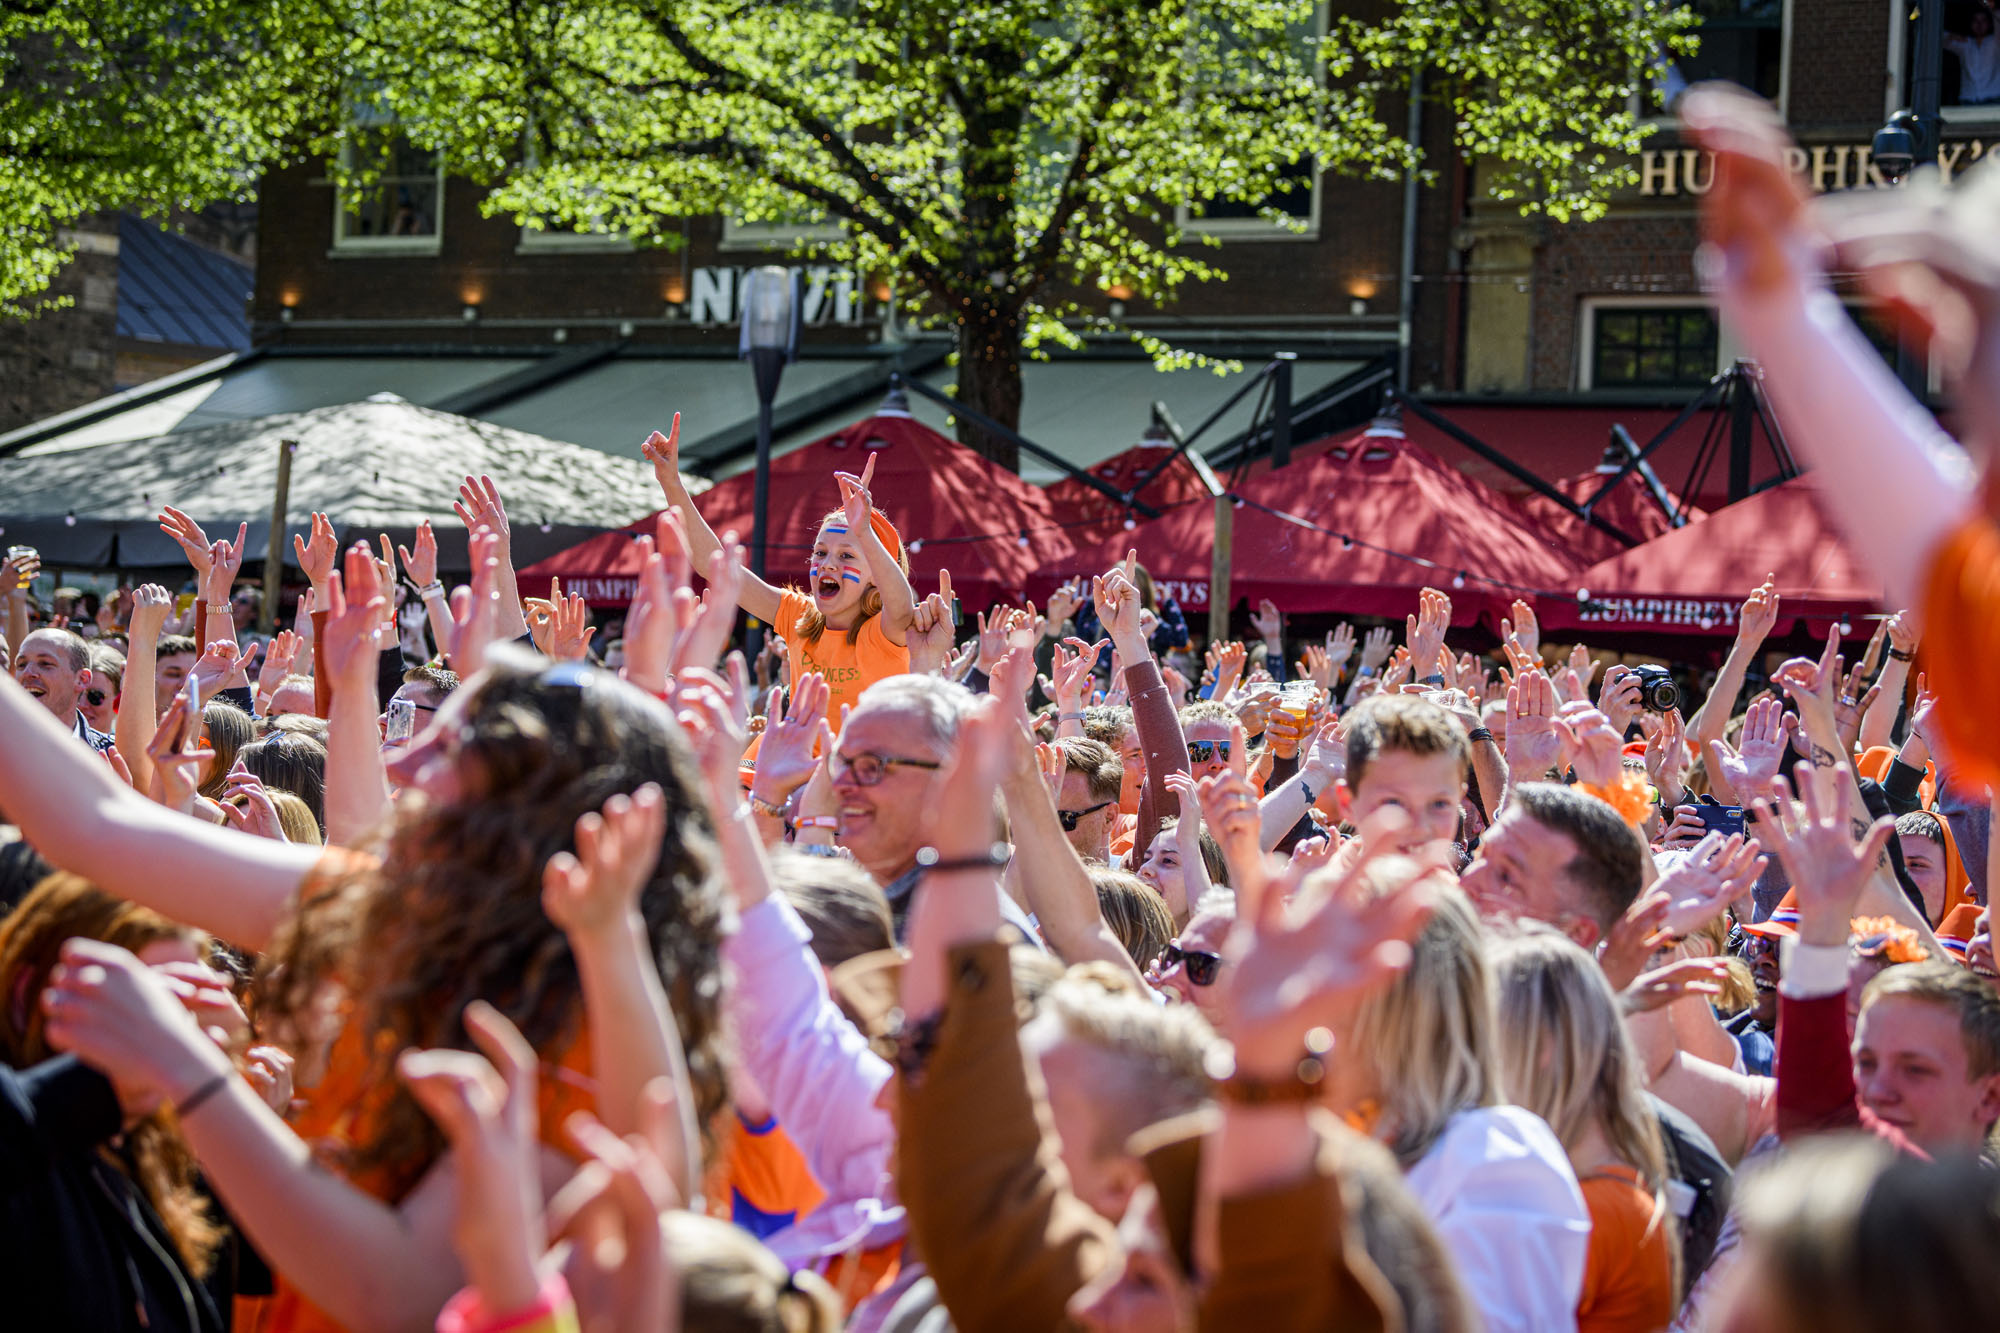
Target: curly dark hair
{"type": "Point", "coordinates": [454, 912]}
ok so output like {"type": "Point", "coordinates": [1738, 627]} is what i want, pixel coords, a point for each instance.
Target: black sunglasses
{"type": "Point", "coordinates": [1201, 967]}
{"type": "Point", "coordinates": [1200, 752]}
{"type": "Point", "coordinates": [96, 697]}
{"type": "Point", "coordinates": [1071, 818]}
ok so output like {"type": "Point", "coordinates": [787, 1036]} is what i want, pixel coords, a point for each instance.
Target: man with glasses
{"type": "Point", "coordinates": [423, 692]}
{"type": "Point", "coordinates": [887, 776]}
{"type": "Point", "coordinates": [1087, 802]}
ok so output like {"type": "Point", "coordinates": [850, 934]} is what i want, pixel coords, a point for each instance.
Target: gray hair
{"type": "Point", "coordinates": [942, 704]}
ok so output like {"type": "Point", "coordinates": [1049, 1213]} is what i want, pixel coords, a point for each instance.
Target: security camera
{"type": "Point", "coordinates": [1894, 151]}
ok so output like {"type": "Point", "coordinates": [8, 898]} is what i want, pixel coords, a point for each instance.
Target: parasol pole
{"type": "Point", "coordinates": [274, 554]}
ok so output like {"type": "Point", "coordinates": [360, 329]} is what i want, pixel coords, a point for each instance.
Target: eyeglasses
{"type": "Point", "coordinates": [869, 768]}
{"type": "Point", "coordinates": [1200, 752]}
{"type": "Point", "coordinates": [1201, 967]}
{"type": "Point", "coordinates": [1071, 818]}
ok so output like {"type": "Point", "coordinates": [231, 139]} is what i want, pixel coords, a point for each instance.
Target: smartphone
{"type": "Point", "coordinates": [1723, 819]}
{"type": "Point", "coordinates": [400, 722]}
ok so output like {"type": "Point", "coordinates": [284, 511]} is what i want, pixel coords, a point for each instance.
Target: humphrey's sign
{"type": "Point", "coordinates": [1828, 166]}
{"type": "Point", "coordinates": [1659, 612]}
{"type": "Point", "coordinates": [1192, 594]}
{"type": "Point", "coordinates": [830, 295]}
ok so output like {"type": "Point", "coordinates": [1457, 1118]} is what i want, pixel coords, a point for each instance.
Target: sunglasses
{"type": "Point", "coordinates": [869, 768]}
{"type": "Point", "coordinates": [96, 697]}
{"type": "Point", "coordinates": [1071, 818]}
{"type": "Point", "coordinates": [1201, 967]}
{"type": "Point", "coordinates": [1200, 752]}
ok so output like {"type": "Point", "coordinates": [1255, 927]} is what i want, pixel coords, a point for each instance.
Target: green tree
{"type": "Point", "coordinates": [1000, 163]}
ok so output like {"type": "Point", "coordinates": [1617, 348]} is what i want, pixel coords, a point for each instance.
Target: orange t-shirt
{"type": "Point", "coordinates": [1961, 618]}
{"type": "Point", "coordinates": [762, 1183]}
{"type": "Point", "coordinates": [1628, 1273]}
{"type": "Point", "coordinates": [848, 668]}
{"type": "Point", "coordinates": [340, 1109]}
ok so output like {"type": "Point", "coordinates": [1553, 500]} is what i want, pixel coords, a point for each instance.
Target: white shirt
{"type": "Point", "coordinates": [1498, 1187]}
{"type": "Point", "coordinates": [1979, 66]}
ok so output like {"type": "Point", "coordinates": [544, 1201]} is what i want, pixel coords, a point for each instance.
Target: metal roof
{"type": "Point", "coordinates": [171, 290]}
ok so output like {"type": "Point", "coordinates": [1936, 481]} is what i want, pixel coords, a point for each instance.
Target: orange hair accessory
{"type": "Point", "coordinates": [1627, 796]}
{"type": "Point", "coordinates": [1885, 937]}
{"type": "Point", "coordinates": [886, 532]}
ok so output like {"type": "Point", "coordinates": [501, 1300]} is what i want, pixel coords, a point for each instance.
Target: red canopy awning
{"type": "Point", "coordinates": [1629, 507]}
{"type": "Point", "coordinates": [1693, 580]}
{"type": "Point", "coordinates": [953, 508]}
{"type": "Point", "coordinates": [1414, 520]}
{"type": "Point", "coordinates": [1177, 485]}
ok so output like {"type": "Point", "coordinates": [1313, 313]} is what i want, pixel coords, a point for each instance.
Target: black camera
{"type": "Point", "coordinates": [1657, 691]}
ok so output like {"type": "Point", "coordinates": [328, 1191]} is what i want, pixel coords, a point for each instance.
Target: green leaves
{"type": "Point", "coordinates": [992, 158]}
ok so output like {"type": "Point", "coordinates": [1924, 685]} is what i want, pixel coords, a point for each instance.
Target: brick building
{"type": "Point", "coordinates": [408, 288]}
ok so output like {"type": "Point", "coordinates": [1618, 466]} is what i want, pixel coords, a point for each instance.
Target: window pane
{"type": "Point", "coordinates": [393, 208]}
{"type": "Point", "coordinates": [1741, 41]}
{"type": "Point", "coordinates": [1293, 198]}
{"type": "Point", "coordinates": [1664, 347]}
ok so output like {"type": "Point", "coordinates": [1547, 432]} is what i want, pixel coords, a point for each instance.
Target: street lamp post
{"type": "Point", "coordinates": [1910, 139]}
{"type": "Point", "coordinates": [769, 341]}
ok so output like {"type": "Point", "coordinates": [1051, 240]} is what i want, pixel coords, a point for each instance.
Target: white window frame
{"type": "Point", "coordinates": [1666, 118]}
{"type": "Point", "coordinates": [1894, 95]}
{"type": "Point", "coordinates": [343, 244]}
{"type": "Point", "coordinates": [1259, 228]}
{"type": "Point", "coordinates": [542, 240]}
{"type": "Point", "coordinates": [1586, 326]}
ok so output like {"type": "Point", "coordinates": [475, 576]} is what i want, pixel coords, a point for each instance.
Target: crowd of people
{"type": "Point", "coordinates": [437, 962]}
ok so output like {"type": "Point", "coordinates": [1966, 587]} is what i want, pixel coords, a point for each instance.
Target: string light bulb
{"type": "Point", "coordinates": [916, 545]}
{"type": "Point", "coordinates": [1458, 580]}
{"type": "Point", "coordinates": [1023, 541]}
{"type": "Point", "coordinates": [1583, 594]}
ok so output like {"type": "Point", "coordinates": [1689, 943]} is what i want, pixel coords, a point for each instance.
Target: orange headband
{"type": "Point", "coordinates": [886, 531]}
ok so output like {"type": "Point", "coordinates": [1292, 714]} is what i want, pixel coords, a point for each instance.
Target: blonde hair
{"type": "Point", "coordinates": [1564, 1050]}
{"type": "Point", "coordinates": [295, 817]}
{"type": "Point", "coordinates": [1428, 1035]}
{"type": "Point", "coordinates": [1405, 722]}
{"type": "Point", "coordinates": [1149, 1064]}
{"type": "Point", "coordinates": [812, 624]}
{"type": "Point", "coordinates": [731, 1283]}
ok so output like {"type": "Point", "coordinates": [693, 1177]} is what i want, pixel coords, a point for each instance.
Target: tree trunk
{"type": "Point", "coordinates": [989, 382]}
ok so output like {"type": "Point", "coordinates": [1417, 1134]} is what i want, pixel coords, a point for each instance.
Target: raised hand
{"type": "Point", "coordinates": [1075, 667]}
{"type": "Point", "coordinates": [785, 759]}
{"type": "Point", "coordinates": [217, 663]}
{"type": "Point", "coordinates": [1716, 872]}
{"type": "Point", "coordinates": [1326, 756]}
{"type": "Point", "coordinates": [1317, 667]}
{"type": "Point", "coordinates": [707, 633]}
{"type": "Point", "coordinates": [279, 656]}
{"type": "Point", "coordinates": [17, 571]}
{"type": "Point", "coordinates": [421, 564]}
{"type": "Point", "coordinates": [1376, 647]}
{"type": "Point", "coordinates": [994, 631]}
{"type": "Point", "coordinates": [930, 636]}
{"type": "Point", "coordinates": [1340, 647]}
{"type": "Point", "coordinates": [1817, 845]}
{"type": "Point", "coordinates": [1760, 612]}
{"type": "Point", "coordinates": [1676, 981]}
{"type": "Point", "coordinates": [1856, 697]}
{"type": "Point", "coordinates": [150, 605]}
{"type": "Point", "coordinates": [1921, 746]}
{"type": "Point", "coordinates": [1117, 603]}
{"type": "Point", "coordinates": [1667, 756]}
{"type": "Point", "coordinates": [1229, 658]}
{"type": "Point", "coordinates": [619, 1267]}
{"type": "Point", "coordinates": [1268, 621]}
{"type": "Point", "coordinates": [1426, 631]}
{"type": "Point", "coordinates": [1524, 628]}
{"type": "Point", "coordinates": [248, 806]}
{"type": "Point", "coordinates": [488, 1113]}
{"type": "Point", "coordinates": [570, 628]}
{"type": "Point", "coordinates": [1619, 699]}
{"type": "Point", "coordinates": [318, 555]}
{"type": "Point", "coordinates": [190, 537]}
{"type": "Point", "coordinates": [479, 505]}
{"type": "Point", "coordinates": [121, 1018]}
{"type": "Point", "coordinates": [1633, 940]}
{"type": "Point", "coordinates": [1592, 744]}
{"type": "Point", "coordinates": [856, 504]}
{"type": "Point", "coordinates": [1746, 771]}
{"type": "Point", "coordinates": [664, 453]}
{"type": "Point", "coordinates": [176, 755]}
{"type": "Point", "coordinates": [1063, 604]}
{"type": "Point", "coordinates": [354, 629]}
{"type": "Point", "coordinates": [1904, 632]}
{"type": "Point", "coordinates": [596, 889]}
{"type": "Point", "coordinates": [1533, 745]}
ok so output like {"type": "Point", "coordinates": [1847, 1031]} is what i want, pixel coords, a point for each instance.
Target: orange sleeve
{"type": "Point", "coordinates": [1961, 650]}
{"type": "Point", "coordinates": [1628, 1283]}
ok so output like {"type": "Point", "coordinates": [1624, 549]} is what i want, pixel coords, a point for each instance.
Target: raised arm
{"type": "Point", "coordinates": [79, 815]}
{"type": "Point", "coordinates": [357, 787]}
{"type": "Point", "coordinates": [1753, 626]}
{"type": "Point", "coordinates": [755, 596]}
{"type": "Point", "coordinates": [15, 574]}
{"type": "Point", "coordinates": [899, 600]}
{"type": "Point", "coordinates": [1878, 725]}
{"type": "Point", "coordinates": [422, 566]}
{"type": "Point", "coordinates": [1878, 448]}
{"type": "Point", "coordinates": [1154, 716]}
{"type": "Point", "coordinates": [138, 710]}
{"type": "Point", "coordinates": [478, 504]}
